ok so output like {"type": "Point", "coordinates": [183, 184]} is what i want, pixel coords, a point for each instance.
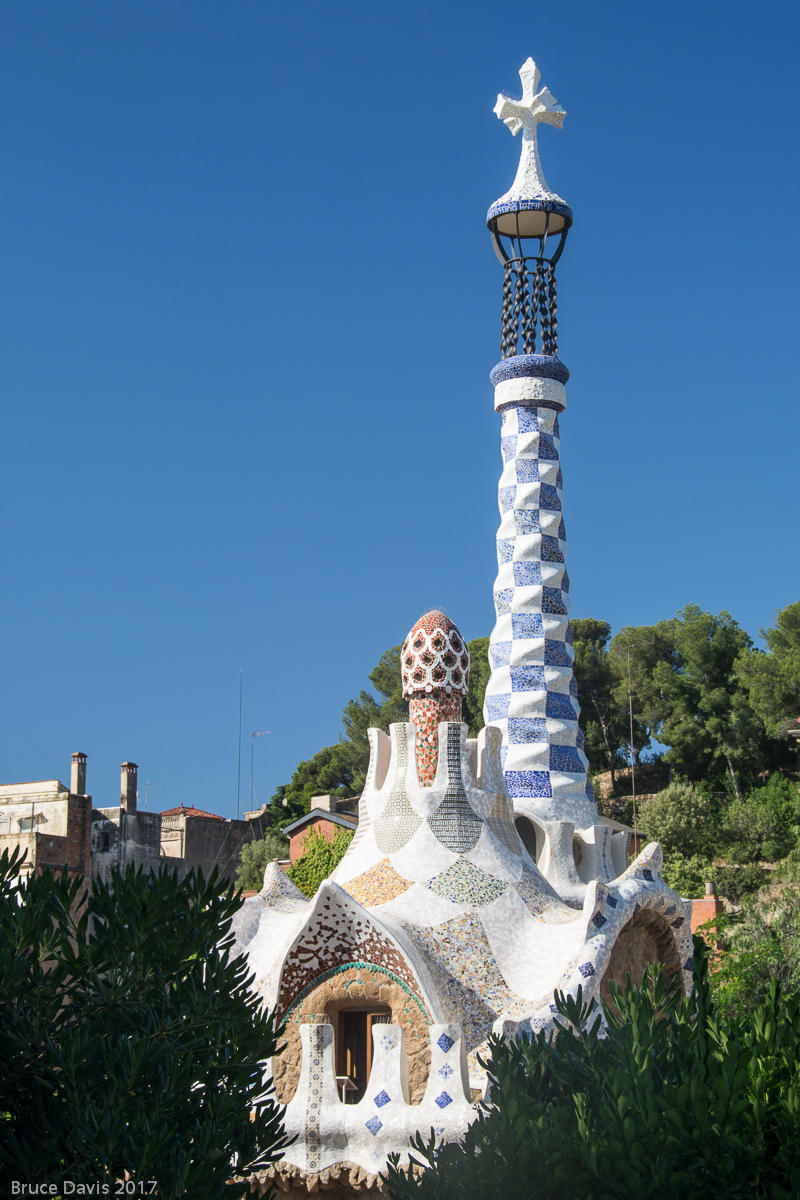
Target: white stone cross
{"type": "Point", "coordinates": [525, 114]}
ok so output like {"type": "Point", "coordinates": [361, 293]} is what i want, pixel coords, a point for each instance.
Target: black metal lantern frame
{"type": "Point", "coordinates": [530, 308]}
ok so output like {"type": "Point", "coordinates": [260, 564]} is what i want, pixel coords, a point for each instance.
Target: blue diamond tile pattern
{"type": "Point", "coordinates": [445, 1043]}
{"type": "Point", "coordinates": [531, 693]}
{"type": "Point", "coordinates": [382, 1098]}
{"type": "Point", "coordinates": [587, 970]}
{"type": "Point", "coordinates": [373, 1125]}
{"type": "Point", "coordinates": [443, 1100]}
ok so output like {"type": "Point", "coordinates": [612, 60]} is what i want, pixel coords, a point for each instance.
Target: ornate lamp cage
{"type": "Point", "coordinates": [529, 250]}
{"type": "Point", "coordinates": [529, 227]}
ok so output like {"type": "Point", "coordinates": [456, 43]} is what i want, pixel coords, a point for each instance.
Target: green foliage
{"type": "Point", "coordinates": [764, 826]}
{"type": "Point", "coordinates": [129, 1039]}
{"type": "Point", "coordinates": [687, 874]}
{"type": "Point", "coordinates": [761, 945]}
{"type": "Point", "coordinates": [368, 712]}
{"type": "Point", "coordinates": [604, 718]}
{"type": "Point", "coordinates": [334, 770]}
{"type": "Point", "coordinates": [772, 679]}
{"type": "Point", "coordinates": [319, 859]}
{"type": "Point", "coordinates": [683, 818]}
{"type": "Point", "coordinates": [676, 1102]}
{"type": "Point", "coordinates": [256, 856]}
{"type": "Point", "coordinates": [635, 653]}
{"type": "Point", "coordinates": [479, 672]}
{"type": "Point", "coordinates": [734, 882]}
{"type": "Point", "coordinates": [708, 723]}
{"type": "Point", "coordinates": [694, 827]}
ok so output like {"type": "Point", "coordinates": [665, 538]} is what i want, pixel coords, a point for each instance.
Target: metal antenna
{"type": "Point", "coordinates": [239, 755]}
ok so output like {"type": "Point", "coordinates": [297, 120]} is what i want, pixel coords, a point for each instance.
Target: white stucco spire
{"type": "Point", "coordinates": [525, 114]}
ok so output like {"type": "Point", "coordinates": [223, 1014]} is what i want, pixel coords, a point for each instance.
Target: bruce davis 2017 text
{"type": "Point", "coordinates": [102, 1187]}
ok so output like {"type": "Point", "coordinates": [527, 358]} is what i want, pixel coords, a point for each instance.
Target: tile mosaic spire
{"type": "Point", "coordinates": [531, 693]}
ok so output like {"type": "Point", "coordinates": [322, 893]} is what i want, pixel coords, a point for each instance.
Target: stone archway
{"type": "Point", "coordinates": [356, 984]}
{"type": "Point", "coordinates": [647, 938]}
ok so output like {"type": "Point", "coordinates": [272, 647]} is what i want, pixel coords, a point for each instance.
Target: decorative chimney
{"type": "Point", "coordinates": [77, 775]}
{"type": "Point", "coordinates": [129, 778]}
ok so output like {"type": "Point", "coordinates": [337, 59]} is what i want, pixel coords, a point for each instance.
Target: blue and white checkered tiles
{"type": "Point", "coordinates": [531, 692]}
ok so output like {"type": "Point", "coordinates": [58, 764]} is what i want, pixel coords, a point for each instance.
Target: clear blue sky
{"type": "Point", "coordinates": [249, 311]}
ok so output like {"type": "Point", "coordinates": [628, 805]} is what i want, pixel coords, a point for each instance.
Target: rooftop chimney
{"type": "Point", "coordinates": [129, 778]}
{"type": "Point", "coordinates": [77, 775]}
{"type": "Point", "coordinates": [326, 803]}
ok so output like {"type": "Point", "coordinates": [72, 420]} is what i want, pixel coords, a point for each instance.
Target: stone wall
{"type": "Point", "coordinates": [205, 843]}
{"type": "Point", "coordinates": [121, 838]}
{"type": "Point", "coordinates": [351, 987]}
{"type": "Point", "coordinates": [53, 829]}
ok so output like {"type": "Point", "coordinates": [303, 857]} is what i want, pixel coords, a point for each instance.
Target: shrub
{"type": "Point", "coordinates": [688, 874]}
{"type": "Point", "coordinates": [675, 1102]}
{"type": "Point", "coordinates": [683, 818]}
{"type": "Point", "coordinates": [129, 1038]}
{"type": "Point", "coordinates": [256, 856]}
{"type": "Point", "coordinates": [763, 827]}
{"type": "Point", "coordinates": [319, 859]}
{"type": "Point", "coordinates": [762, 945]}
{"type": "Point", "coordinates": [736, 882]}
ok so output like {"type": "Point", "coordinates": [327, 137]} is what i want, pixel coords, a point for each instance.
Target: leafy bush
{"type": "Point", "coordinates": [683, 818]}
{"type": "Point", "coordinates": [688, 874]}
{"type": "Point", "coordinates": [676, 1102]}
{"type": "Point", "coordinates": [256, 856]}
{"type": "Point", "coordinates": [319, 859]}
{"type": "Point", "coordinates": [736, 882]}
{"type": "Point", "coordinates": [761, 945]}
{"type": "Point", "coordinates": [764, 826]}
{"type": "Point", "coordinates": [129, 1039]}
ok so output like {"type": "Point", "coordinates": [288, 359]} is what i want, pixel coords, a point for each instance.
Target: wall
{"type": "Point", "coordinates": [46, 802]}
{"type": "Point", "coordinates": [205, 843]}
{"type": "Point", "coordinates": [49, 823]}
{"type": "Point", "coordinates": [120, 839]}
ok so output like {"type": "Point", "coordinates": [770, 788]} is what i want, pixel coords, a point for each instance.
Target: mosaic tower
{"type": "Point", "coordinates": [531, 694]}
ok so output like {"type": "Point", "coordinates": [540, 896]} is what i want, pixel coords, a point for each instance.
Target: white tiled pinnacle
{"type": "Point", "coordinates": [531, 693]}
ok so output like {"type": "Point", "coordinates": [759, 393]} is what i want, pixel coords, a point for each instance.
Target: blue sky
{"type": "Point", "coordinates": [249, 311]}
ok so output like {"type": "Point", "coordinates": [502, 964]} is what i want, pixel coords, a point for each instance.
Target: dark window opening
{"type": "Point", "coordinates": [527, 832]}
{"type": "Point", "coordinates": [354, 1048]}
